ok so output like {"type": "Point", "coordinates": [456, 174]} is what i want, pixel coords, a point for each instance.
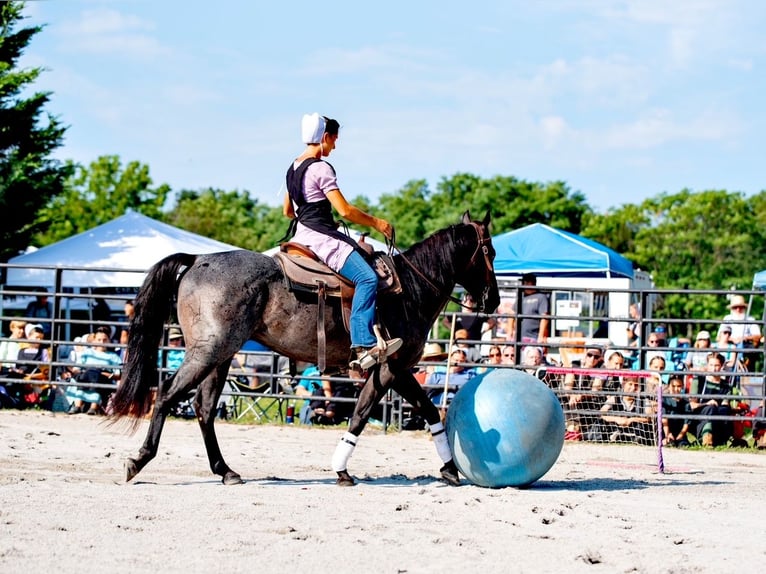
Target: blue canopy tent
{"type": "Point", "coordinates": [759, 280]}
{"type": "Point", "coordinates": [550, 252]}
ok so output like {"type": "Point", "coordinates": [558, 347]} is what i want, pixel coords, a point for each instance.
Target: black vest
{"type": "Point", "coordinates": [316, 215]}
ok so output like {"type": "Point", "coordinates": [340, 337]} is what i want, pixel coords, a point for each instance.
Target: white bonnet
{"type": "Point", "coordinates": [312, 128]}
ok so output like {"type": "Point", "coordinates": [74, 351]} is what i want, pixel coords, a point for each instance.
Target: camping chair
{"type": "Point", "coordinates": [244, 399]}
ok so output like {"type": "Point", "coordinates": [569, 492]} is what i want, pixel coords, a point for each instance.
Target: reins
{"type": "Point", "coordinates": [482, 244]}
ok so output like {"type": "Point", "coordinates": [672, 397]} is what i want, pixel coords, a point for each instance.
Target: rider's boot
{"type": "Point", "coordinates": [368, 357]}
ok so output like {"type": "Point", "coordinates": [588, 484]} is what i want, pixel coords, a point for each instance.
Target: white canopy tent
{"type": "Point", "coordinates": [127, 246]}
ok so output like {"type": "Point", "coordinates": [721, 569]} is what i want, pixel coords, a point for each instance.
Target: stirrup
{"type": "Point", "coordinates": [370, 357]}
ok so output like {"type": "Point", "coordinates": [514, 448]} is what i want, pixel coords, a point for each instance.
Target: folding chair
{"type": "Point", "coordinates": [243, 400]}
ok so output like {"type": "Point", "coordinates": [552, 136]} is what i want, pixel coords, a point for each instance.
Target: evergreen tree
{"type": "Point", "coordinates": [29, 177]}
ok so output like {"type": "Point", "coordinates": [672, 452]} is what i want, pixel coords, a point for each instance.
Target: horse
{"type": "Point", "coordinates": [224, 299]}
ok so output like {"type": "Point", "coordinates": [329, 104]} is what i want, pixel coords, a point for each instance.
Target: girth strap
{"type": "Point", "coordinates": [321, 338]}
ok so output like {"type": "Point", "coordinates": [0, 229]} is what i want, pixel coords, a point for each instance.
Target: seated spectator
{"type": "Point", "coordinates": [130, 310]}
{"type": "Point", "coordinates": [307, 387]}
{"type": "Point", "coordinates": [96, 365]}
{"type": "Point", "coordinates": [432, 353]}
{"type": "Point", "coordinates": [711, 432]}
{"type": "Point", "coordinates": [509, 355]}
{"type": "Point", "coordinates": [443, 386]}
{"type": "Point", "coordinates": [328, 411]}
{"type": "Point", "coordinates": [494, 358]}
{"type": "Point", "coordinates": [608, 383]}
{"type": "Point", "coordinates": [33, 350]}
{"type": "Point", "coordinates": [675, 429]}
{"type": "Point", "coordinates": [174, 356]}
{"type": "Point", "coordinates": [472, 352]}
{"type": "Point", "coordinates": [697, 359]}
{"type": "Point", "coordinates": [725, 345]}
{"type": "Point", "coordinates": [532, 359]}
{"type": "Point", "coordinates": [9, 350]}
{"type": "Point", "coordinates": [621, 418]}
{"type": "Point", "coordinates": [577, 387]}
{"type": "Point", "coordinates": [41, 308]}
{"type": "Point", "coordinates": [26, 394]}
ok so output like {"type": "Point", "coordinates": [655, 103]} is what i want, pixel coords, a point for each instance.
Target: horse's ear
{"type": "Point", "coordinates": [486, 220]}
{"type": "Point", "coordinates": [467, 217]}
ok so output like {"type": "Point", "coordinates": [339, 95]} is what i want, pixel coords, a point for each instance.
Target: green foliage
{"type": "Point", "coordinates": [29, 178]}
{"type": "Point", "coordinates": [97, 194]}
{"type": "Point", "coordinates": [232, 217]}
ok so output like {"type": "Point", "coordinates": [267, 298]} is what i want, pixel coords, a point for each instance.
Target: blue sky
{"type": "Point", "coordinates": [622, 100]}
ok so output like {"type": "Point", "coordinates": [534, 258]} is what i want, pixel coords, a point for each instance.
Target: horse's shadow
{"type": "Point", "coordinates": [402, 481]}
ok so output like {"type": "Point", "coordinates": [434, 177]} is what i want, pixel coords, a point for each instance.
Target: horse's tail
{"type": "Point", "coordinates": [153, 306]}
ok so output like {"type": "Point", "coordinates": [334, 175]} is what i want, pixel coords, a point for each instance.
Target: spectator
{"type": "Point", "coordinates": [326, 410]}
{"type": "Point", "coordinates": [308, 387]}
{"type": "Point", "coordinates": [532, 359]}
{"type": "Point", "coordinates": [494, 358]}
{"type": "Point", "coordinates": [97, 365]}
{"type": "Point", "coordinates": [472, 353]}
{"type": "Point", "coordinates": [711, 432]}
{"type": "Point", "coordinates": [33, 350]}
{"type": "Point", "coordinates": [174, 356]}
{"type": "Point", "coordinates": [41, 308]}
{"type": "Point", "coordinates": [745, 332]}
{"type": "Point", "coordinates": [432, 353]}
{"type": "Point", "coordinates": [634, 328]}
{"type": "Point", "coordinates": [130, 310]}
{"type": "Point", "coordinates": [675, 428]}
{"type": "Point", "coordinates": [509, 355]}
{"type": "Point", "coordinates": [532, 326]}
{"type": "Point", "coordinates": [577, 390]}
{"type": "Point", "coordinates": [621, 419]}
{"type": "Point", "coordinates": [9, 350]}
{"type": "Point", "coordinates": [697, 359]}
{"type": "Point", "coordinates": [474, 323]}
{"type": "Point", "coordinates": [443, 386]}
{"type": "Point", "coordinates": [744, 328]}
{"type": "Point", "coordinates": [725, 345]}
{"type": "Point", "coordinates": [608, 383]}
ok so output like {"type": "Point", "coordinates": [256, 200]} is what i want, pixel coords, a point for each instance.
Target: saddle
{"type": "Point", "coordinates": [306, 273]}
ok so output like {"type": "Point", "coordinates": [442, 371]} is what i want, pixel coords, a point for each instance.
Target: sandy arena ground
{"type": "Point", "coordinates": [64, 506]}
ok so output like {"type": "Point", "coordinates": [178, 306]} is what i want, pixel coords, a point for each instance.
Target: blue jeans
{"type": "Point", "coordinates": [365, 281]}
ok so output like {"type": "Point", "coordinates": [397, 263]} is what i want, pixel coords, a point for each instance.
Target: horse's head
{"type": "Point", "coordinates": [477, 273]}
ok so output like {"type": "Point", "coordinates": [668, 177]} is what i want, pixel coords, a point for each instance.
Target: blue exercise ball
{"type": "Point", "coordinates": [505, 428]}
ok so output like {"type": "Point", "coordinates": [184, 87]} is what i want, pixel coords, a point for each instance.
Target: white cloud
{"type": "Point", "coordinates": [106, 30]}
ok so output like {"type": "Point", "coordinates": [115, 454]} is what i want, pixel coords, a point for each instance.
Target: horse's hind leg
{"type": "Point", "coordinates": [205, 406]}
{"type": "Point", "coordinates": [170, 391]}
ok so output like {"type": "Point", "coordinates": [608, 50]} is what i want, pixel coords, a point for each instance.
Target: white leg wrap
{"type": "Point", "coordinates": [440, 441]}
{"type": "Point", "coordinates": [343, 452]}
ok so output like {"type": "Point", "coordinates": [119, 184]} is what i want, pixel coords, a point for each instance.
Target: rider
{"type": "Point", "coordinates": [312, 193]}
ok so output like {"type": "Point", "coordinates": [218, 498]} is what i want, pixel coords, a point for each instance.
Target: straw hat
{"type": "Point", "coordinates": [433, 352]}
{"type": "Point", "coordinates": [175, 333]}
{"type": "Point", "coordinates": [737, 301]}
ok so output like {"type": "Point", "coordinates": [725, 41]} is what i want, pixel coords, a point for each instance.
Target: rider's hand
{"type": "Point", "coordinates": [385, 228]}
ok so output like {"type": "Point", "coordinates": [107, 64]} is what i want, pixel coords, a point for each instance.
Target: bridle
{"type": "Point", "coordinates": [482, 246]}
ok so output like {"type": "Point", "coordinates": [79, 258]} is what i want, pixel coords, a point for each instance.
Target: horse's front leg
{"type": "Point", "coordinates": [412, 392]}
{"type": "Point", "coordinates": [376, 386]}
{"type": "Point", "coordinates": [205, 402]}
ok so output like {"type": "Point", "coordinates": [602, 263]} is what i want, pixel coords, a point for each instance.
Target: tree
{"type": "Point", "coordinates": [29, 178]}
{"type": "Point", "coordinates": [100, 193]}
{"type": "Point", "coordinates": [229, 216]}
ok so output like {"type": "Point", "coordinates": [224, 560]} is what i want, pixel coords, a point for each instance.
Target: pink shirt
{"type": "Point", "coordinates": [318, 182]}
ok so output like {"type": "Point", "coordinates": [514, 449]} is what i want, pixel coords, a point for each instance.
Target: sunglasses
{"type": "Point", "coordinates": [593, 355]}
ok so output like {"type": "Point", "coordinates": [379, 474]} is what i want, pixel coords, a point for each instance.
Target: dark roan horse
{"type": "Point", "coordinates": [224, 299]}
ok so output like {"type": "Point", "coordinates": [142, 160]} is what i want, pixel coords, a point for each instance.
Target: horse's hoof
{"type": "Point", "coordinates": [345, 479]}
{"type": "Point", "coordinates": [232, 477]}
{"type": "Point", "coordinates": [450, 474]}
{"type": "Point", "coordinates": [131, 470]}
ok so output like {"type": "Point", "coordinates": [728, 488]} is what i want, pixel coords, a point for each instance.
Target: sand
{"type": "Point", "coordinates": [64, 506]}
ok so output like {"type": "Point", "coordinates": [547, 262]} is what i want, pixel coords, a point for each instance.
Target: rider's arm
{"type": "Point", "coordinates": [287, 207]}
{"type": "Point", "coordinates": [356, 215]}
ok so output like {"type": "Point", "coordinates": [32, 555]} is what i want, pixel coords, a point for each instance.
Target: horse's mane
{"type": "Point", "coordinates": [434, 257]}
